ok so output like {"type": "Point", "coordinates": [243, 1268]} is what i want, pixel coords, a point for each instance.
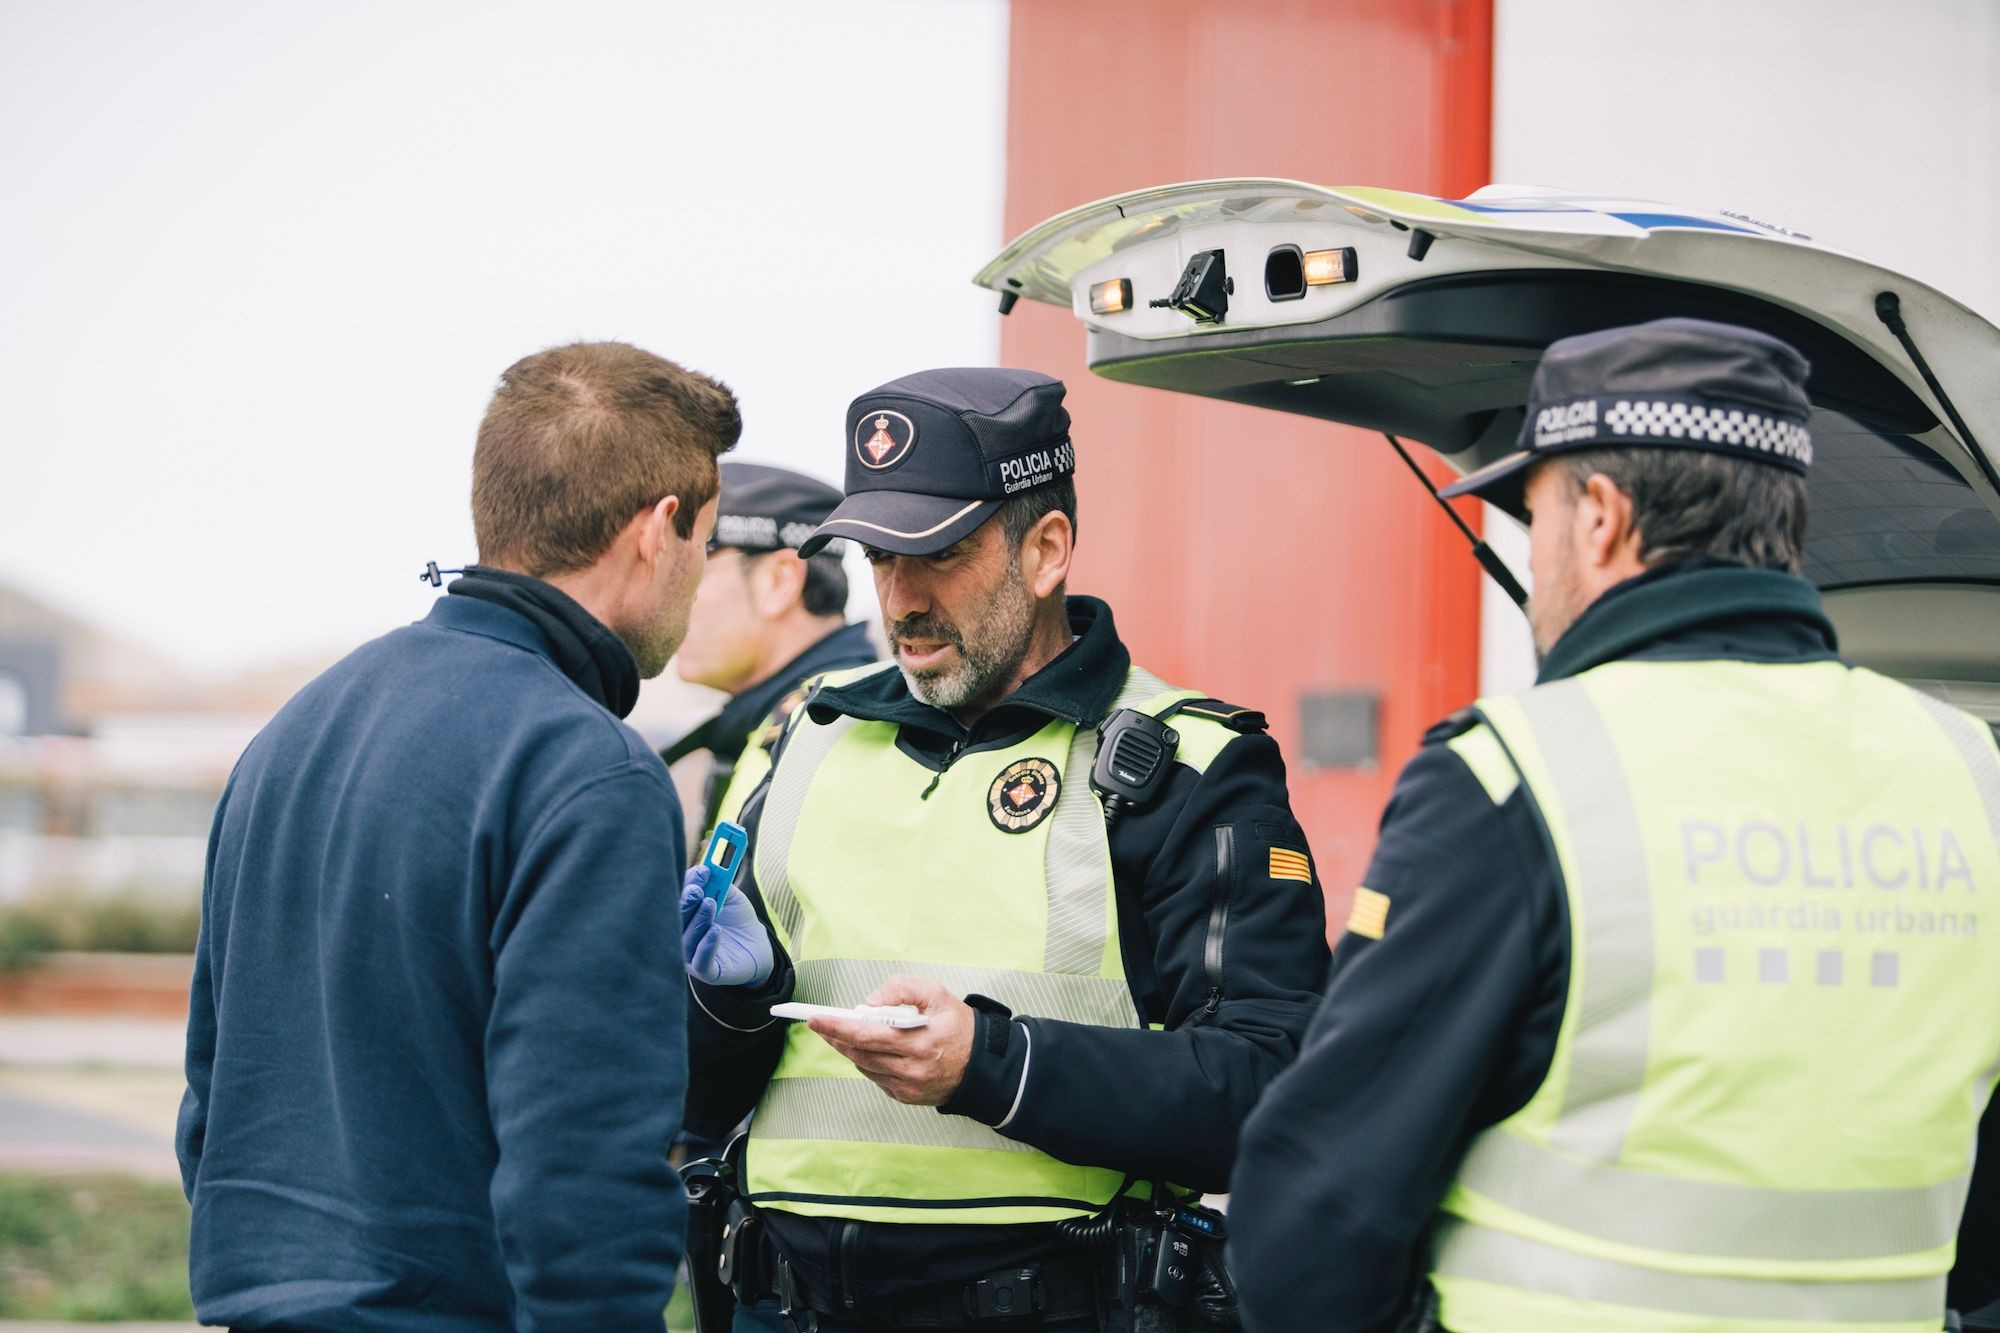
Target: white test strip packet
{"type": "Point", "coordinates": [892, 1015]}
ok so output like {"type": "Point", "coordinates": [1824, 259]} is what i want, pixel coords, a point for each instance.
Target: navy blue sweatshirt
{"type": "Point", "coordinates": [436, 1036]}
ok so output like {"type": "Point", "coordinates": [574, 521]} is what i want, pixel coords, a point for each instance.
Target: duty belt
{"type": "Point", "coordinates": [1048, 1291]}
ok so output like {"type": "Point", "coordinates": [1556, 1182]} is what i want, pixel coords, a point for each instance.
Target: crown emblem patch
{"type": "Point", "coordinates": [1023, 795]}
{"type": "Point", "coordinates": [883, 439]}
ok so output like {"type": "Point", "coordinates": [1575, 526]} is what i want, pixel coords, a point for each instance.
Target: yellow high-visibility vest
{"type": "Point", "coordinates": [1783, 1015]}
{"type": "Point", "coordinates": [997, 883]}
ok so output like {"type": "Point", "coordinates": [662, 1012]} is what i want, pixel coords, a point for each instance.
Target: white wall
{"type": "Point", "coordinates": [1872, 125]}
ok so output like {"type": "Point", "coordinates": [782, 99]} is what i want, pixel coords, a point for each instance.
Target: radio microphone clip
{"type": "Point", "coordinates": [1135, 752]}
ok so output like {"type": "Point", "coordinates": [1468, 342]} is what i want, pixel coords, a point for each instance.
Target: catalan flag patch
{"type": "Point", "coordinates": [1370, 914]}
{"type": "Point", "coordinates": [1288, 864]}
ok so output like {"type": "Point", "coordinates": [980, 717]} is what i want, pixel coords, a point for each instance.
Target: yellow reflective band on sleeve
{"type": "Point", "coordinates": [1482, 752]}
{"type": "Point", "coordinates": [1370, 914]}
{"type": "Point", "coordinates": [1288, 864]}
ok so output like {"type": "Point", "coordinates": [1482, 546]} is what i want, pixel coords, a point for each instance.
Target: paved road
{"type": "Point", "coordinates": [96, 1094]}
{"type": "Point", "coordinates": [119, 1043]}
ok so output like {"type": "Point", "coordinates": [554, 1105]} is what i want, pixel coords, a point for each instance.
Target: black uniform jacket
{"type": "Point", "coordinates": [1446, 1025]}
{"type": "Point", "coordinates": [1160, 1105]}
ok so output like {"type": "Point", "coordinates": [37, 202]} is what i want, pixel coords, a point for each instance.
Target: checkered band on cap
{"type": "Point", "coordinates": [1688, 422]}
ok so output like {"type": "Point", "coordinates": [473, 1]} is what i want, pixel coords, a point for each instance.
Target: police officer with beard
{"type": "Point", "coordinates": [1672, 998]}
{"type": "Point", "coordinates": [1109, 978]}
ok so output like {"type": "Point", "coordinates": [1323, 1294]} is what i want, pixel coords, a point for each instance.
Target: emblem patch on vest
{"type": "Point", "coordinates": [1023, 795]}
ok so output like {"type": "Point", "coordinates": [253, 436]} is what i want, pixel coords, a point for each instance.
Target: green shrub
{"type": "Point", "coordinates": [25, 935]}
{"type": "Point", "coordinates": [108, 1248]}
{"type": "Point", "coordinates": [97, 1248]}
{"type": "Point", "coordinates": [124, 923]}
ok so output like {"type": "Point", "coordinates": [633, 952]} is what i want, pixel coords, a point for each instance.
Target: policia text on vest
{"type": "Point", "coordinates": [1822, 863]}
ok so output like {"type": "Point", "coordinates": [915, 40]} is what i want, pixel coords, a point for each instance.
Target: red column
{"type": "Point", "coordinates": [1250, 554]}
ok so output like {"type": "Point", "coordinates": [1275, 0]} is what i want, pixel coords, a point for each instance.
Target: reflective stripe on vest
{"type": "Point", "coordinates": [1783, 1020]}
{"type": "Point", "coordinates": [1601, 1294]}
{"type": "Point", "coordinates": [824, 1139]}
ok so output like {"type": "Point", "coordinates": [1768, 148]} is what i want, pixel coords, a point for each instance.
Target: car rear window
{"type": "Point", "coordinates": [1886, 509]}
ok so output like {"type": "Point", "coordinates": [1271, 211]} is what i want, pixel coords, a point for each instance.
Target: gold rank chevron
{"type": "Point", "coordinates": [1288, 864]}
{"type": "Point", "coordinates": [1370, 914]}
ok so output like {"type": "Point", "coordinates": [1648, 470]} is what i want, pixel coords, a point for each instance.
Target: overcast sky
{"type": "Point", "coordinates": [260, 265]}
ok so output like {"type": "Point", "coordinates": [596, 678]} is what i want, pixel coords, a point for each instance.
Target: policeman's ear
{"type": "Point", "coordinates": [777, 583]}
{"type": "Point", "coordinates": [1607, 528]}
{"type": "Point", "coordinates": [1045, 553]}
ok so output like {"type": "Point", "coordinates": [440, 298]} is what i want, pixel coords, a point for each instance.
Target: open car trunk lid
{"type": "Point", "coordinates": [1448, 305]}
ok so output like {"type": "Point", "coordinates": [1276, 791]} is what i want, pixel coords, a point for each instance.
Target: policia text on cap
{"type": "Point", "coordinates": [1106, 999]}
{"type": "Point", "coordinates": [1627, 1030]}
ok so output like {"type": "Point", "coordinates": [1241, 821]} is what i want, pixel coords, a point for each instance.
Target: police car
{"type": "Point", "coordinates": [1423, 318]}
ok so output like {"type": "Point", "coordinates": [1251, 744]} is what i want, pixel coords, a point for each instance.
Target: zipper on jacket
{"type": "Point", "coordinates": [850, 1242]}
{"type": "Point", "coordinates": [957, 748]}
{"type": "Point", "coordinates": [1218, 916]}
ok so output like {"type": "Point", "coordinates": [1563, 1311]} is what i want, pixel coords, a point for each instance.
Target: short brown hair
{"type": "Point", "coordinates": [580, 438]}
{"type": "Point", "coordinates": [1688, 502]}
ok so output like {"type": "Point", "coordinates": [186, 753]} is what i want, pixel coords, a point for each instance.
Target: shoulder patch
{"type": "Point", "coordinates": [791, 701]}
{"type": "Point", "coordinates": [1245, 720]}
{"type": "Point", "coordinates": [1369, 916]}
{"type": "Point", "coordinates": [1464, 720]}
{"type": "Point", "coordinates": [774, 724]}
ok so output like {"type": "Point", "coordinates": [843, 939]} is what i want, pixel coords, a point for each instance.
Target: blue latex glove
{"type": "Point", "coordinates": [730, 948]}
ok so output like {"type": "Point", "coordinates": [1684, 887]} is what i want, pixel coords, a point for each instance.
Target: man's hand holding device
{"type": "Point", "coordinates": [917, 1062]}
{"type": "Point", "coordinates": [724, 942]}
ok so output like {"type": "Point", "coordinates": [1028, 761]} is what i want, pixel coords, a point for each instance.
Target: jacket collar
{"type": "Point", "coordinates": [509, 625]}
{"type": "Point", "coordinates": [1697, 608]}
{"type": "Point", "coordinates": [1079, 686]}
{"type": "Point", "coordinates": [581, 646]}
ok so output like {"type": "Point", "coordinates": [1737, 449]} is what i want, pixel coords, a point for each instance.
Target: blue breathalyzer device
{"type": "Point", "coordinates": [724, 858]}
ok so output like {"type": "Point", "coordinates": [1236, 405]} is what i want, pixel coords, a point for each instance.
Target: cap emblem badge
{"type": "Point", "coordinates": [883, 439]}
{"type": "Point", "coordinates": [879, 444]}
{"type": "Point", "coordinates": [1023, 795]}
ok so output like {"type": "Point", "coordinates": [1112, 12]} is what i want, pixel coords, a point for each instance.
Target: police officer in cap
{"type": "Point", "coordinates": [765, 622]}
{"type": "Point", "coordinates": [1673, 996]}
{"type": "Point", "coordinates": [1110, 966]}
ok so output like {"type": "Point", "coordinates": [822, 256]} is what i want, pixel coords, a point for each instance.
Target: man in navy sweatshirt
{"type": "Point", "coordinates": [436, 1036]}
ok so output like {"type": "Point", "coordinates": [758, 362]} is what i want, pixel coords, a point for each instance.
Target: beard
{"type": "Point", "coordinates": [1554, 608]}
{"type": "Point", "coordinates": [989, 650]}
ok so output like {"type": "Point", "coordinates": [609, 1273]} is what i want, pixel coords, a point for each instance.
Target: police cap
{"type": "Point", "coordinates": [769, 508]}
{"type": "Point", "coordinates": [1670, 384]}
{"type": "Point", "coordinates": [933, 455]}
